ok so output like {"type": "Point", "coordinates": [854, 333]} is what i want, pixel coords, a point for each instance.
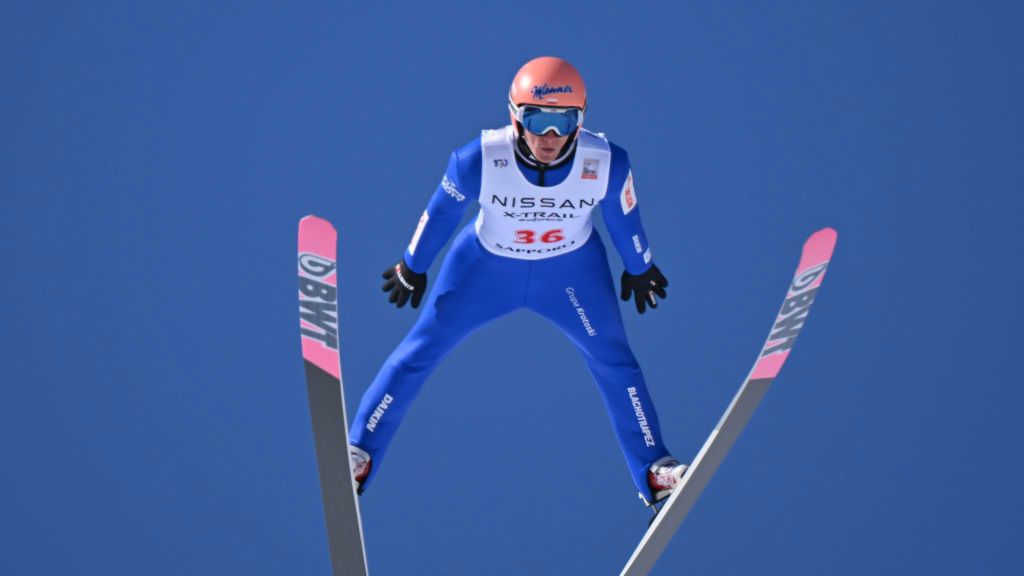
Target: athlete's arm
{"type": "Point", "coordinates": [458, 188]}
{"type": "Point", "coordinates": [622, 215]}
{"type": "Point", "coordinates": [641, 280]}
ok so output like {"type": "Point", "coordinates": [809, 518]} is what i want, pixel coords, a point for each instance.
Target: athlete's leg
{"type": "Point", "coordinates": [576, 292]}
{"type": "Point", "coordinates": [473, 288]}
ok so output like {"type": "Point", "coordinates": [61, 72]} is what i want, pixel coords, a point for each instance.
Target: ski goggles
{"type": "Point", "coordinates": [541, 120]}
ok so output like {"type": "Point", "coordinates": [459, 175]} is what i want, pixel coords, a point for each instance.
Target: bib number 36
{"type": "Point", "coordinates": [530, 236]}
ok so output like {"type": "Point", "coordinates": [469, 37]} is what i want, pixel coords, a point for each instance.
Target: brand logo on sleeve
{"type": "Point", "coordinates": [419, 232]}
{"type": "Point", "coordinates": [590, 166]}
{"type": "Point", "coordinates": [628, 196]}
{"type": "Point", "coordinates": [451, 190]}
{"type": "Point", "coordinates": [500, 162]}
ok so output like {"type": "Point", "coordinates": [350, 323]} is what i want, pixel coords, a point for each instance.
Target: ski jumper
{"type": "Point", "coordinates": [532, 246]}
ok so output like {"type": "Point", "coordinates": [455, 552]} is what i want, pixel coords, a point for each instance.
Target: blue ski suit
{"type": "Point", "coordinates": [573, 289]}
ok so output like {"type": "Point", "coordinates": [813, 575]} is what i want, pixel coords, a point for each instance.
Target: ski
{"type": "Point", "coordinates": [318, 323]}
{"type": "Point", "coordinates": [817, 252]}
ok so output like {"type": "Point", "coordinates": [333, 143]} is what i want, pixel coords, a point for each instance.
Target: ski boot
{"type": "Point", "coordinates": [662, 478]}
{"type": "Point", "coordinates": [361, 464]}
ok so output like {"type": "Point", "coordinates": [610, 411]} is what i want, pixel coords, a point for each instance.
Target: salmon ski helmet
{"type": "Point", "coordinates": [547, 94]}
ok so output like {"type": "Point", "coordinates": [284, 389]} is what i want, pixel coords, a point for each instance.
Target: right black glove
{"type": "Point", "coordinates": [644, 287]}
{"type": "Point", "coordinates": [402, 282]}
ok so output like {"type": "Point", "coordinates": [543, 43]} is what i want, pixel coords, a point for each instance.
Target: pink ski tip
{"type": "Point", "coordinates": [818, 248]}
{"type": "Point", "coordinates": [316, 224]}
{"type": "Point", "coordinates": [318, 236]}
{"type": "Point", "coordinates": [825, 235]}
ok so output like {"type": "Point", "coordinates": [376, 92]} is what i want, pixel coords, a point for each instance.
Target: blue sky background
{"type": "Point", "coordinates": [156, 157]}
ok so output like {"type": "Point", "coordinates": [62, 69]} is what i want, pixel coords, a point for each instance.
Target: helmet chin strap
{"type": "Point", "coordinates": [523, 149]}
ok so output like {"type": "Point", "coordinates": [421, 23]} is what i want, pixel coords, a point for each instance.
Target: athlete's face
{"type": "Point", "coordinates": [545, 148]}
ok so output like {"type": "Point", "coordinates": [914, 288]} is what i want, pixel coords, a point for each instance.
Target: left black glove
{"type": "Point", "coordinates": [402, 283]}
{"type": "Point", "coordinates": [644, 287]}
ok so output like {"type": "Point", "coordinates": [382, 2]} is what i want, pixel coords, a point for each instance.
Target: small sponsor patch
{"type": "Point", "coordinates": [628, 196]}
{"type": "Point", "coordinates": [636, 243]}
{"type": "Point", "coordinates": [590, 167]}
{"type": "Point", "coordinates": [419, 231]}
{"type": "Point", "coordinates": [647, 256]}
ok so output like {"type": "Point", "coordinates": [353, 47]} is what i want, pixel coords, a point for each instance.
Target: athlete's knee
{"type": "Point", "coordinates": [625, 373]}
{"type": "Point", "coordinates": [412, 361]}
{"type": "Point", "coordinates": [618, 358]}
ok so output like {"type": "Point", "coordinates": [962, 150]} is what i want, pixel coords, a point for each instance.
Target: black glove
{"type": "Point", "coordinates": [644, 287]}
{"type": "Point", "coordinates": [402, 282]}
